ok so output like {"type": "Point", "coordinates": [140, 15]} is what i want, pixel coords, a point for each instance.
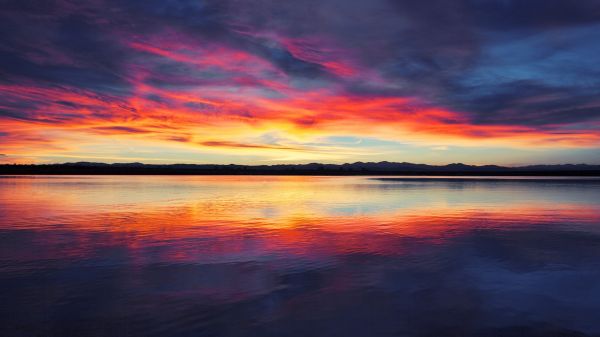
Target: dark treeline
{"type": "Point", "coordinates": [359, 168]}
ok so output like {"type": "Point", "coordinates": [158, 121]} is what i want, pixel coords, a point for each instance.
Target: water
{"type": "Point", "coordinates": [298, 256]}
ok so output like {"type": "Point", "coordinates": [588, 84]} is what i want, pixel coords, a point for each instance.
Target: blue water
{"type": "Point", "coordinates": [299, 256]}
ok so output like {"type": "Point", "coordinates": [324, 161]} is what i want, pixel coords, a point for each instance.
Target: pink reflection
{"type": "Point", "coordinates": [204, 219]}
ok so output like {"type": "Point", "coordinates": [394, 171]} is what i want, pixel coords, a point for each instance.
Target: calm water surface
{"type": "Point", "coordinates": [298, 256]}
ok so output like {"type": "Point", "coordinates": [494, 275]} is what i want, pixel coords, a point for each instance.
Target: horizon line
{"type": "Point", "coordinates": [301, 164]}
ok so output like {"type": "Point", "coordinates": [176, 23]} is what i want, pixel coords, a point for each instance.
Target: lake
{"type": "Point", "coordinates": [299, 256]}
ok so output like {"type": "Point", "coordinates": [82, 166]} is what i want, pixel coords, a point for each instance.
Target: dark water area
{"type": "Point", "coordinates": [298, 256]}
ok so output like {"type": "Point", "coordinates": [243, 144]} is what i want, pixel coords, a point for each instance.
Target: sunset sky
{"type": "Point", "coordinates": [259, 82]}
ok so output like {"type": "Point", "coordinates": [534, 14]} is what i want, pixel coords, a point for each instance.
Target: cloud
{"type": "Point", "coordinates": [190, 73]}
{"type": "Point", "coordinates": [215, 143]}
{"type": "Point", "coordinates": [119, 129]}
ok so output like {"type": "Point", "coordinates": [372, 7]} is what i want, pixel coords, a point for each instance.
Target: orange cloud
{"type": "Point", "coordinates": [60, 114]}
{"type": "Point", "coordinates": [248, 98]}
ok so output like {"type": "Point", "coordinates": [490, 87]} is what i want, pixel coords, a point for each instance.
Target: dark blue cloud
{"type": "Point", "coordinates": [534, 14]}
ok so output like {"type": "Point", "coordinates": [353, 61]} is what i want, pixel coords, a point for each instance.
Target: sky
{"type": "Point", "coordinates": [262, 82]}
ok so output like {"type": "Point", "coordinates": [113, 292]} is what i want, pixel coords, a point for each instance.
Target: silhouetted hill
{"type": "Point", "coordinates": [358, 168]}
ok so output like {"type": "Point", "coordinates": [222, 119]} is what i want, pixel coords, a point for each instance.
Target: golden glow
{"type": "Point", "coordinates": [303, 213]}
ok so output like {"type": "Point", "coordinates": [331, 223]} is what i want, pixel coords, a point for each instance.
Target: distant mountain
{"type": "Point", "coordinates": [358, 168]}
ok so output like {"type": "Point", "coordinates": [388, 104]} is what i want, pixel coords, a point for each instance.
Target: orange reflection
{"type": "Point", "coordinates": [212, 217]}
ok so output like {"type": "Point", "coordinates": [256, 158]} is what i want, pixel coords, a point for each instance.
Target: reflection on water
{"type": "Point", "coordinates": [298, 256]}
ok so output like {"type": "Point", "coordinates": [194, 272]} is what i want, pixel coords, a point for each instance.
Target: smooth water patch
{"type": "Point", "coordinates": [298, 256]}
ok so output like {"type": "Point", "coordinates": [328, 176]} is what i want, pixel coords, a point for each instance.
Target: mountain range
{"type": "Point", "coordinates": [357, 168]}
